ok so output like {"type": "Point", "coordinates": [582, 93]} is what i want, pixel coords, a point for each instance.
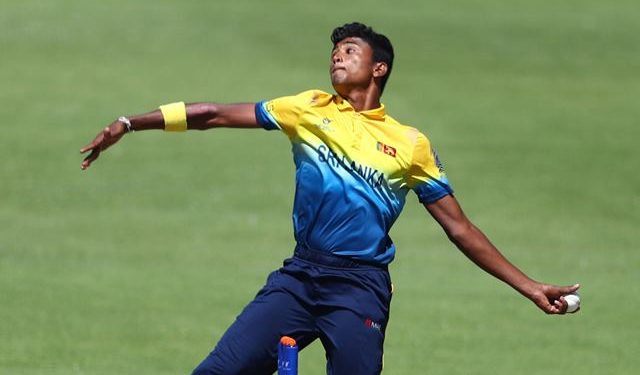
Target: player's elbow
{"type": "Point", "coordinates": [460, 233]}
{"type": "Point", "coordinates": [203, 115]}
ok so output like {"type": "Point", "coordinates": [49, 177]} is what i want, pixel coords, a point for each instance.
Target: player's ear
{"type": "Point", "coordinates": [380, 69]}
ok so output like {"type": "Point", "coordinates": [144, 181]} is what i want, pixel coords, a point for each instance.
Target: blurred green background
{"type": "Point", "coordinates": [140, 263]}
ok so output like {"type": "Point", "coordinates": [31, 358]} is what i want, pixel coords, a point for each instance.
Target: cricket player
{"type": "Point", "coordinates": [355, 165]}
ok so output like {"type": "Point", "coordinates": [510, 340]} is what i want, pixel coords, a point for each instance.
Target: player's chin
{"type": "Point", "coordinates": [340, 86]}
{"type": "Point", "coordinates": [338, 77]}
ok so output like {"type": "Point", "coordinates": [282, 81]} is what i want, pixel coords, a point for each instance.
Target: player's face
{"type": "Point", "coordinates": [351, 65]}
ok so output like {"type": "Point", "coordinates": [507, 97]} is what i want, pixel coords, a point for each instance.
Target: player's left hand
{"type": "Point", "coordinates": [106, 138]}
{"type": "Point", "coordinates": [549, 297]}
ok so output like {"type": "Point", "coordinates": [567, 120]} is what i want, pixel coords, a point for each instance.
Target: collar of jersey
{"type": "Point", "coordinates": [374, 114]}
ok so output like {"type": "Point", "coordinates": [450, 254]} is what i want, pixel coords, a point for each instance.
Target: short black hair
{"type": "Point", "coordinates": [381, 45]}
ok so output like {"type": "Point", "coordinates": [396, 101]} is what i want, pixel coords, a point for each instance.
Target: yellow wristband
{"type": "Point", "coordinates": [175, 117]}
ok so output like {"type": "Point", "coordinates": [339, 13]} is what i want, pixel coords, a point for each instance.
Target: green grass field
{"type": "Point", "coordinates": [138, 265]}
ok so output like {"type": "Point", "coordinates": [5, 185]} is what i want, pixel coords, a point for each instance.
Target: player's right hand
{"type": "Point", "coordinates": [549, 298]}
{"type": "Point", "coordinates": [107, 137]}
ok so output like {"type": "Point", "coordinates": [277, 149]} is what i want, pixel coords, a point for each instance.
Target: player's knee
{"type": "Point", "coordinates": [203, 369]}
{"type": "Point", "coordinates": [210, 366]}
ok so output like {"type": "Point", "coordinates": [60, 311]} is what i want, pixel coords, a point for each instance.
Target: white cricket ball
{"type": "Point", "coordinates": [573, 302]}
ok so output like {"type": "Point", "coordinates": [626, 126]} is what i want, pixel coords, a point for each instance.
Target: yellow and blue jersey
{"type": "Point", "coordinates": [353, 172]}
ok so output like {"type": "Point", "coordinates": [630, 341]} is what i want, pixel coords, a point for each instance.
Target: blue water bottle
{"type": "Point", "coordinates": [287, 356]}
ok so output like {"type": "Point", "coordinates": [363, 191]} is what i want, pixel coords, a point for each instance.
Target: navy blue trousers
{"type": "Point", "coordinates": [314, 295]}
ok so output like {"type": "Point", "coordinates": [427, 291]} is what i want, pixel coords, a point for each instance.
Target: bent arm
{"type": "Point", "coordinates": [200, 116]}
{"type": "Point", "coordinates": [477, 247]}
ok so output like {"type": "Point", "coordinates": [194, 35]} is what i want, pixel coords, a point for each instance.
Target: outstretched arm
{"type": "Point", "coordinates": [200, 116]}
{"type": "Point", "coordinates": [477, 247]}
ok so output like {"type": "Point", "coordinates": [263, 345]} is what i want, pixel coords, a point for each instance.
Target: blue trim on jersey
{"type": "Point", "coordinates": [264, 118]}
{"type": "Point", "coordinates": [433, 190]}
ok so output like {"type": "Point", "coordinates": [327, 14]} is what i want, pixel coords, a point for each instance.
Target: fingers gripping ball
{"type": "Point", "coordinates": [573, 302]}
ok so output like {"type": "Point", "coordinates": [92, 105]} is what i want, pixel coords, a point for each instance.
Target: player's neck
{"type": "Point", "coordinates": [363, 99]}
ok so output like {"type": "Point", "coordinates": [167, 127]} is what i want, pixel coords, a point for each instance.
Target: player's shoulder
{"type": "Point", "coordinates": [413, 134]}
{"type": "Point", "coordinates": [313, 97]}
